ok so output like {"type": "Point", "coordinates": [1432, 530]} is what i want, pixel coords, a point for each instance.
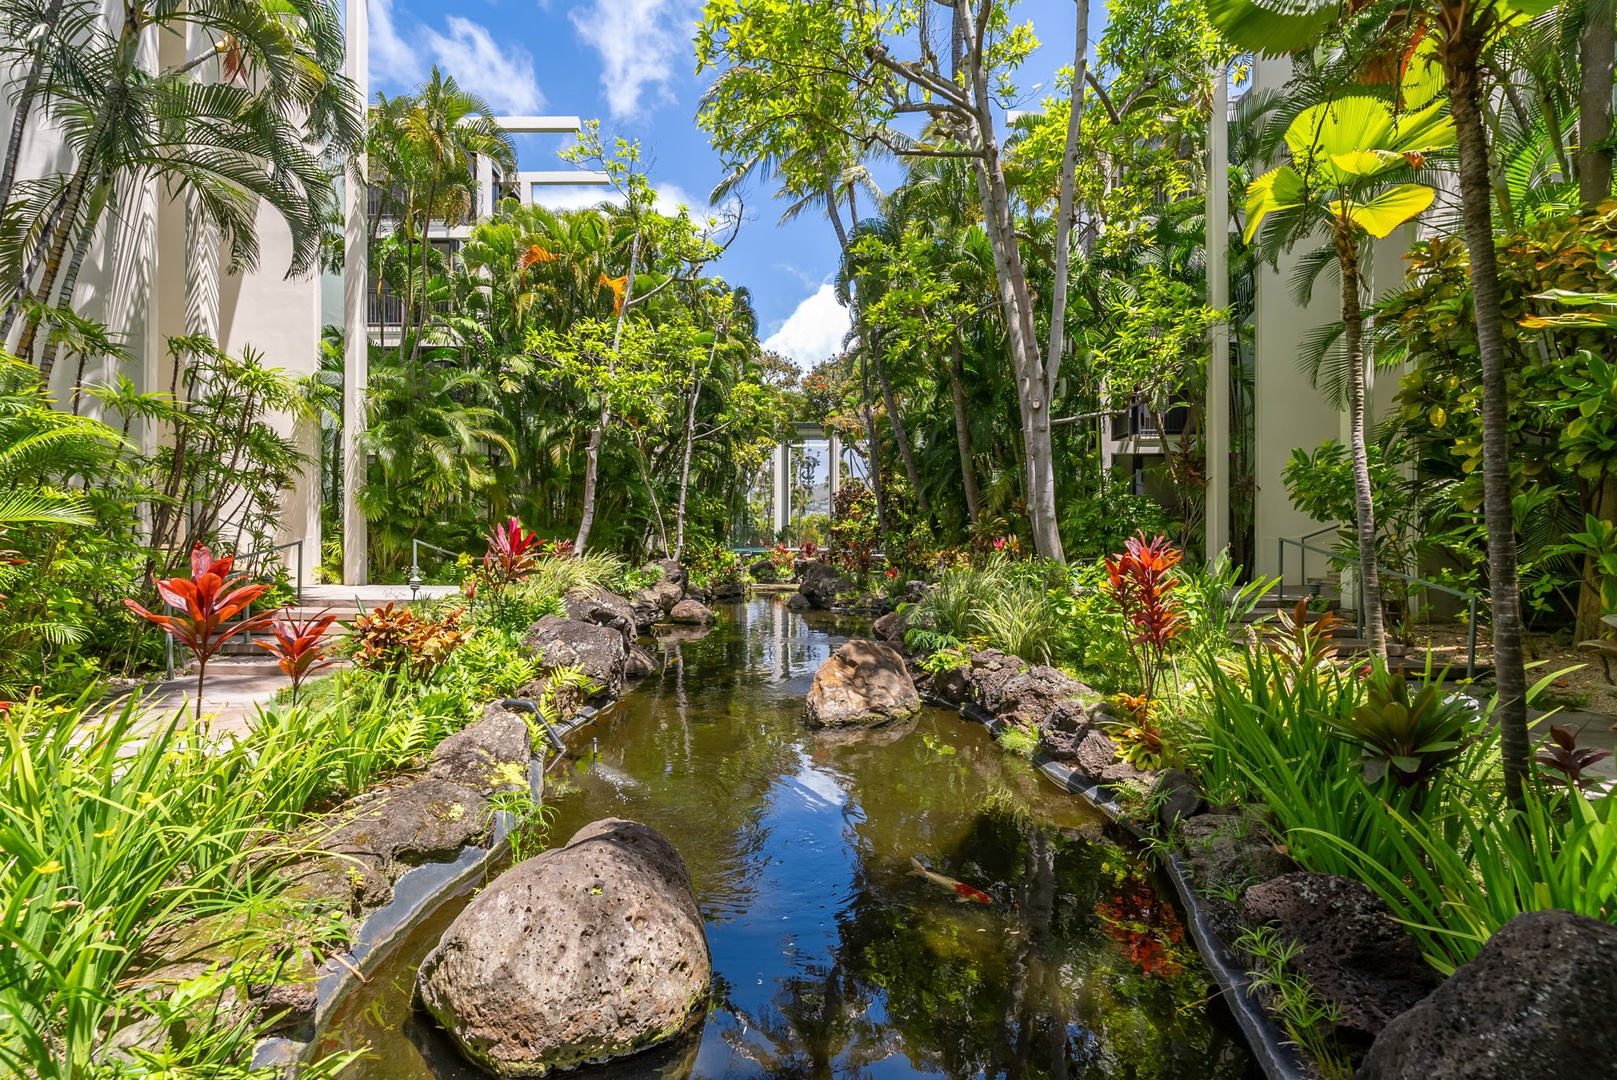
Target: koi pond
{"type": "Point", "coordinates": [830, 957]}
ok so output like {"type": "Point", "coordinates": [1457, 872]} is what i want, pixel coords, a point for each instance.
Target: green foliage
{"type": "Point", "coordinates": [1451, 859]}
{"type": "Point", "coordinates": [1408, 738]}
{"type": "Point", "coordinates": [1307, 1019]}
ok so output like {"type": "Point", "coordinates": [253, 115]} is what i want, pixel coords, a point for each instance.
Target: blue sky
{"type": "Point", "coordinates": [630, 64]}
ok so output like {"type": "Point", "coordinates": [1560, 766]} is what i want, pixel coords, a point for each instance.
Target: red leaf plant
{"type": "Point", "coordinates": [1564, 760]}
{"type": "Point", "coordinates": [300, 647]}
{"type": "Point", "coordinates": [1141, 583]}
{"type": "Point", "coordinates": [207, 602]}
{"type": "Point", "coordinates": [511, 553]}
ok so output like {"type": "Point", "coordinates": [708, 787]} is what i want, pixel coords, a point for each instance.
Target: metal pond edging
{"type": "Point", "coordinates": [1275, 1054]}
{"type": "Point", "coordinates": [417, 893]}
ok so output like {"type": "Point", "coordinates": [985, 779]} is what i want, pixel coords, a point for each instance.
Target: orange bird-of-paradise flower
{"type": "Point", "coordinates": [619, 287]}
{"type": "Point", "coordinates": [536, 253]}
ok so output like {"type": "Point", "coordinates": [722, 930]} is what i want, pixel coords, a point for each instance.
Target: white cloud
{"type": "Point", "coordinates": [639, 42]}
{"type": "Point", "coordinates": [814, 331]}
{"type": "Point", "coordinates": [670, 197]}
{"type": "Point", "coordinates": [392, 60]}
{"type": "Point", "coordinates": [500, 74]}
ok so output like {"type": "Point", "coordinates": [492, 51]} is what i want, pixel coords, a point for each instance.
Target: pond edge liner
{"type": "Point", "coordinates": [1275, 1054]}
{"type": "Point", "coordinates": [417, 893]}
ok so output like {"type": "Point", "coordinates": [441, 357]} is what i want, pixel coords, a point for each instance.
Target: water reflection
{"type": "Point", "coordinates": [831, 959]}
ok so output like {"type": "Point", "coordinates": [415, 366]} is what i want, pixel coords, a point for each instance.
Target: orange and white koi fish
{"type": "Point", "coordinates": [963, 893]}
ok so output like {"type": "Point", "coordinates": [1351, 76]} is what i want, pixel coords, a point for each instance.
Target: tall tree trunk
{"type": "Point", "coordinates": [25, 100]}
{"type": "Point", "coordinates": [70, 285]}
{"type": "Point", "coordinates": [962, 431]}
{"type": "Point", "coordinates": [419, 317]}
{"type": "Point", "coordinates": [899, 435]}
{"type": "Point", "coordinates": [1347, 255]}
{"type": "Point", "coordinates": [690, 439]}
{"type": "Point", "coordinates": [1595, 53]}
{"type": "Point", "coordinates": [1459, 55]}
{"type": "Point", "coordinates": [1064, 214]}
{"type": "Point", "coordinates": [592, 458]}
{"type": "Point", "coordinates": [73, 195]}
{"type": "Point", "coordinates": [999, 223]}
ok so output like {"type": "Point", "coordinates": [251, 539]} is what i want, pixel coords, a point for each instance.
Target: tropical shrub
{"type": "Point", "coordinates": [207, 602]}
{"type": "Point", "coordinates": [1408, 738]}
{"type": "Point", "coordinates": [1141, 582]}
{"type": "Point", "coordinates": [300, 647]}
{"type": "Point", "coordinates": [396, 640]}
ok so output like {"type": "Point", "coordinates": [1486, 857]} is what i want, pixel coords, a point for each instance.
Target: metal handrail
{"type": "Point", "coordinates": [1471, 599]}
{"type": "Point", "coordinates": [415, 582]}
{"type": "Point", "coordinates": [1301, 542]}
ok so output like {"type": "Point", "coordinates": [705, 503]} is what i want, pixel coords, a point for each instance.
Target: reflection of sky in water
{"type": "Point", "coordinates": [832, 962]}
{"type": "Point", "coordinates": [800, 885]}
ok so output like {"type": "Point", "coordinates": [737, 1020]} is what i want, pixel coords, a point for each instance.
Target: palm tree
{"type": "Point", "coordinates": [1350, 159]}
{"type": "Point", "coordinates": [254, 133]}
{"type": "Point", "coordinates": [422, 149]}
{"type": "Point", "coordinates": [1456, 36]}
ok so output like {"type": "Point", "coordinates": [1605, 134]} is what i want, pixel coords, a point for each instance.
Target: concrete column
{"type": "Point", "coordinates": [783, 490]}
{"type": "Point", "coordinates": [1217, 431]}
{"type": "Point", "coordinates": [834, 451]}
{"type": "Point", "coordinates": [356, 342]}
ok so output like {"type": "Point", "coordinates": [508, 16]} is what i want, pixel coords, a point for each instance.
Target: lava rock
{"type": "Point", "coordinates": [1352, 952]}
{"type": "Point", "coordinates": [727, 590]}
{"type": "Point", "coordinates": [1228, 852]}
{"type": "Point", "coordinates": [990, 671]}
{"type": "Point", "coordinates": [671, 570]}
{"type": "Point", "coordinates": [639, 664]}
{"type": "Point", "coordinates": [691, 613]}
{"type": "Point", "coordinates": [660, 596]}
{"type": "Point", "coordinates": [373, 839]}
{"type": "Point", "coordinates": [863, 682]}
{"type": "Point", "coordinates": [798, 602]}
{"type": "Point", "coordinates": [1536, 1001]}
{"type": "Point", "coordinates": [1177, 797]}
{"type": "Point", "coordinates": [891, 628]}
{"type": "Point", "coordinates": [489, 755]}
{"type": "Point", "coordinates": [914, 591]}
{"type": "Point", "coordinates": [586, 953]}
{"type": "Point", "coordinates": [763, 571]}
{"type": "Point", "coordinates": [604, 609]}
{"type": "Point", "coordinates": [823, 586]}
{"type": "Point", "coordinates": [600, 652]}
{"type": "Point", "coordinates": [953, 686]}
{"type": "Point", "coordinates": [1029, 697]}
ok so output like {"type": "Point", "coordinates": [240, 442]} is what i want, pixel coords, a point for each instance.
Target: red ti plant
{"type": "Point", "coordinates": [511, 553]}
{"type": "Point", "coordinates": [300, 647]}
{"type": "Point", "coordinates": [1141, 583]}
{"type": "Point", "coordinates": [1566, 761]}
{"type": "Point", "coordinates": [207, 602]}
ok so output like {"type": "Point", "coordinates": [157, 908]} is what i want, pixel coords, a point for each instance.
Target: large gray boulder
{"type": "Point", "coordinates": [691, 613]}
{"type": "Point", "coordinates": [891, 628]}
{"type": "Point", "coordinates": [582, 954]}
{"type": "Point", "coordinates": [824, 586]}
{"type": "Point", "coordinates": [489, 755]}
{"type": "Point", "coordinates": [863, 682]}
{"type": "Point", "coordinates": [659, 597]}
{"type": "Point", "coordinates": [671, 570]}
{"type": "Point", "coordinates": [1226, 853]}
{"type": "Point", "coordinates": [1537, 1001]}
{"type": "Point", "coordinates": [1352, 953]}
{"type": "Point", "coordinates": [599, 651]}
{"type": "Point", "coordinates": [604, 609]}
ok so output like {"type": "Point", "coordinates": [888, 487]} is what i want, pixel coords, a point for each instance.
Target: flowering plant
{"type": "Point", "coordinates": [206, 603]}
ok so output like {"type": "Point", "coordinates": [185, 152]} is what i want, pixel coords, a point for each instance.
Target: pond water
{"type": "Point", "coordinates": [830, 958]}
